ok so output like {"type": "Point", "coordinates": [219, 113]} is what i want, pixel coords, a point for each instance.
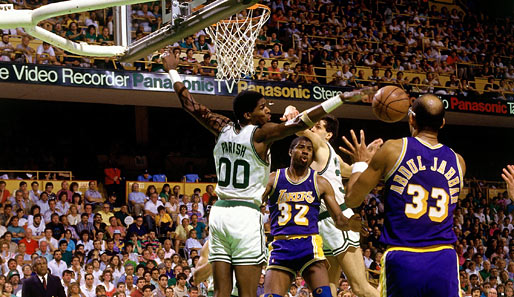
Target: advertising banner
{"type": "Point", "coordinates": [160, 82]}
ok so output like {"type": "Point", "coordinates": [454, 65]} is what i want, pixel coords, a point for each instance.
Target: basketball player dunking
{"type": "Point", "coordinates": [242, 157]}
{"type": "Point", "coordinates": [423, 179]}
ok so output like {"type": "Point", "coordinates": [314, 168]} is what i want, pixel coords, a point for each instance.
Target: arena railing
{"type": "Point", "coordinates": [39, 174]}
{"type": "Point", "coordinates": [185, 188]}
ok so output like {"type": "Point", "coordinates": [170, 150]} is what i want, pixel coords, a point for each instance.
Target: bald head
{"type": "Point", "coordinates": [428, 112]}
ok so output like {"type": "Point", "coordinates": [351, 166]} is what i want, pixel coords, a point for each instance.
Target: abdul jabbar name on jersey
{"type": "Point", "coordinates": [422, 190]}
{"type": "Point", "coordinates": [242, 174]}
{"type": "Point", "coordinates": [294, 207]}
{"type": "Point", "coordinates": [416, 165]}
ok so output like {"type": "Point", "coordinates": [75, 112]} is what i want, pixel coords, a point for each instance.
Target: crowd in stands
{"type": "Point", "coordinates": [408, 43]}
{"type": "Point", "coordinates": [96, 252]}
{"type": "Point", "coordinates": [89, 242]}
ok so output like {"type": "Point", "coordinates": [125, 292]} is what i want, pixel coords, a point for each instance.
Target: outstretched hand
{"type": "Point", "coordinates": [508, 177]}
{"type": "Point", "coordinates": [365, 230]}
{"type": "Point", "coordinates": [169, 60]}
{"type": "Point", "coordinates": [364, 94]}
{"type": "Point", "coordinates": [355, 223]}
{"type": "Point", "coordinates": [289, 113]}
{"type": "Point", "coordinates": [358, 151]}
{"type": "Point", "coordinates": [375, 145]}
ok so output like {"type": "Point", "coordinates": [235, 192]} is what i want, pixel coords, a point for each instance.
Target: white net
{"type": "Point", "coordinates": [234, 40]}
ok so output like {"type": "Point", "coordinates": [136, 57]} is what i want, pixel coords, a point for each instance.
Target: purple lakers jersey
{"type": "Point", "coordinates": [422, 190]}
{"type": "Point", "coordinates": [294, 207]}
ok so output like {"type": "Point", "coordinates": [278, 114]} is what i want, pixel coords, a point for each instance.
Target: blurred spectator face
{"type": "Point", "coordinates": [492, 293]}
{"type": "Point", "coordinates": [5, 38]}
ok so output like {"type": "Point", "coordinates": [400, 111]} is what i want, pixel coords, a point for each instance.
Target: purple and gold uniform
{"type": "Point", "coordinates": [294, 211]}
{"type": "Point", "coordinates": [422, 190]}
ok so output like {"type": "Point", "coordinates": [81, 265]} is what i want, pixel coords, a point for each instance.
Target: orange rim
{"type": "Point", "coordinates": [253, 7]}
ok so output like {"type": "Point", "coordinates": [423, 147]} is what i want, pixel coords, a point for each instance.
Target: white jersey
{"type": "Point", "coordinates": [332, 172]}
{"type": "Point", "coordinates": [242, 174]}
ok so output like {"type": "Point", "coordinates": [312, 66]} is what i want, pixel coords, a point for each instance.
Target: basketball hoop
{"type": "Point", "coordinates": [234, 41]}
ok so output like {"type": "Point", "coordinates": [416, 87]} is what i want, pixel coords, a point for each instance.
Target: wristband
{"type": "Point", "coordinates": [331, 104]}
{"type": "Point", "coordinates": [305, 118]}
{"type": "Point", "coordinates": [359, 167]}
{"type": "Point", "coordinates": [174, 76]}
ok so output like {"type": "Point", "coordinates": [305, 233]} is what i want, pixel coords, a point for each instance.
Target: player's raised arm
{"type": "Point", "coordinates": [341, 222]}
{"type": "Point", "coordinates": [271, 132]}
{"type": "Point", "coordinates": [364, 178]}
{"type": "Point", "coordinates": [508, 177]}
{"type": "Point", "coordinates": [212, 121]}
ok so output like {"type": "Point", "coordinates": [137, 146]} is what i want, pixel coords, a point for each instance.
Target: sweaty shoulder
{"type": "Point", "coordinates": [387, 155]}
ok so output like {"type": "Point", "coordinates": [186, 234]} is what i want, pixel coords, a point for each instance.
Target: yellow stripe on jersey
{"type": "Point", "coordinates": [317, 249]}
{"type": "Point", "coordinates": [399, 161]}
{"type": "Point", "coordinates": [432, 147]}
{"type": "Point", "coordinates": [460, 171]}
{"type": "Point", "coordinates": [299, 182]}
{"type": "Point", "coordinates": [458, 276]}
{"type": "Point", "coordinates": [317, 244]}
{"type": "Point", "coordinates": [425, 249]}
{"type": "Point", "coordinates": [315, 175]}
{"type": "Point", "coordinates": [275, 183]}
{"type": "Point", "coordinates": [383, 281]}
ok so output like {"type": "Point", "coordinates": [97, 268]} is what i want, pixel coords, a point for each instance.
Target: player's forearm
{"type": "Point", "coordinates": [212, 121]}
{"type": "Point", "coordinates": [353, 199]}
{"type": "Point", "coordinates": [341, 222]}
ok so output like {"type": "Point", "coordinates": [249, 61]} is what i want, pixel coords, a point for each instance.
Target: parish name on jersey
{"type": "Point", "coordinates": [415, 165]}
{"type": "Point", "coordinates": [233, 148]}
{"type": "Point", "coordinates": [285, 196]}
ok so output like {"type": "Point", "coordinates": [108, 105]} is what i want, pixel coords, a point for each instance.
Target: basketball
{"type": "Point", "coordinates": [390, 104]}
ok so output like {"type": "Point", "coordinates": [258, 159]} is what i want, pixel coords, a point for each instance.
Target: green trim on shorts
{"type": "Point", "coordinates": [326, 214]}
{"type": "Point", "coordinates": [211, 293]}
{"type": "Point", "coordinates": [234, 203]}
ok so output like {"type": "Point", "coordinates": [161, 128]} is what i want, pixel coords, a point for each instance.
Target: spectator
{"type": "Point", "coordinates": [92, 195]}
{"type": "Point", "coordinates": [151, 210]}
{"type": "Point", "coordinates": [181, 233]}
{"type": "Point", "coordinates": [207, 66]}
{"type": "Point", "coordinates": [74, 33]}
{"type": "Point", "coordinates": [188, 43]}
{"type": "Point", "coordinates": [6, 49]}
{"type": "Point", "coordinates": [112, 178]}
{"type": "Point", "coordinates": [261, 73]}
{"type": "Point", "coordinates": [275, 52]}
{"type": "Point", "coordinates": [144, 17]}
{"type": "Point", "coordinates": [45, 55]}
{"type": "Point", "coordinates": [275, 71]}
{"type": "Point", "coordinates": [105, 38]}
{"type": "Point", "coordinates": [27, 53]}
{"type": "Point", "coordinates": [190, 62]}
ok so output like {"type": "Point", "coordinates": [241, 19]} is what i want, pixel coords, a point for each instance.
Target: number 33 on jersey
{"type": "Point", "coordinates": [421, 190]}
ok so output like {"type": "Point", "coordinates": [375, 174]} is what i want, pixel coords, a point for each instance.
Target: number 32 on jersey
{"type": "Point", "coordinates": [420, 197]}
{"type": "Point", "coordinates": [299, 218]}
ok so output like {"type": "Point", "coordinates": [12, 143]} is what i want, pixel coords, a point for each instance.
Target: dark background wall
{"type": "Point", "coordinates": [79, 137]}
